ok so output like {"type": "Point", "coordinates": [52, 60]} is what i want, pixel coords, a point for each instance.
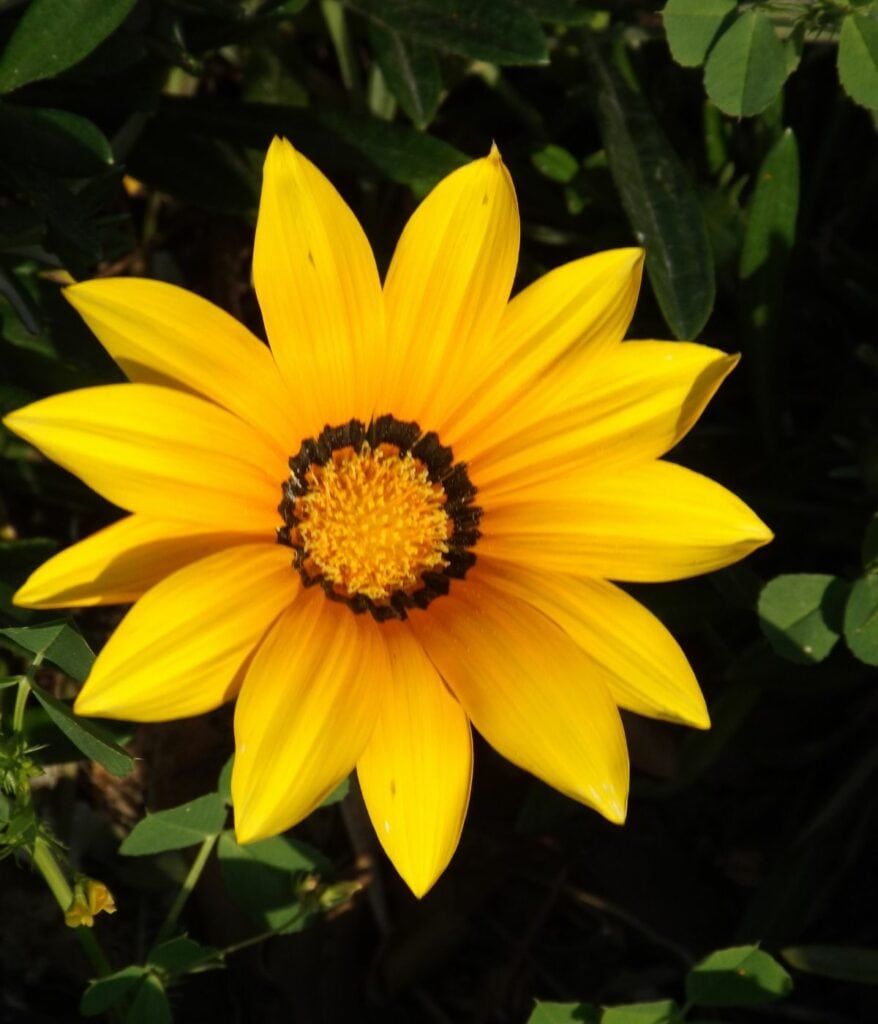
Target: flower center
{"type": "Point", "coordinates": [380, 516]}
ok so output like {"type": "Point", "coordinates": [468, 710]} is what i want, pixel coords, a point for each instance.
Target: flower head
{"type": "Point", "coordinates": [459, 475]}
{"type": "Point", "coordinates": [90, 898]}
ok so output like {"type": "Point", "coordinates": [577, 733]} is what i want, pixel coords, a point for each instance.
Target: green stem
{"type": "Point", "coordinates": [48, 867]}
{"type": "Point", "coordinates": [23, 692]}
{"type": "Point", "coordinates": [261, 937]}
{"type": "Point", "coordinates": [185, 892]}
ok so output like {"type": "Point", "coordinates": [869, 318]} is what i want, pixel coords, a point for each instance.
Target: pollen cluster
{"type": "Point", "coordinates": [372, 521]}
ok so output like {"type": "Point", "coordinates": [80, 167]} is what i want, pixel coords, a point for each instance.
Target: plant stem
{"type": "Point", "coordinates": [23, 692]}
{"type": "Point", "coordinates": [186, 888]}
{"type": "Point", "coordinates": [261, 937]}
{"type": "Point", "coordinates": [48, 867]}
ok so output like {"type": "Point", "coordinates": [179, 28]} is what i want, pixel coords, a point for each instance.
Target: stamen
{"type": "Point", "coordinates": [381, 516]}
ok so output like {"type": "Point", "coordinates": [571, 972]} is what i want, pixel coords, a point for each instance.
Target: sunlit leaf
{"type": "Point", "coordinates": [176, 828]}
{"type": "Point", "coordinates": [739, 976]}
{"type": "Point", "coordinates": [800, 615]}
{"type": "Point", "coordinates": [746, 67]}
{"type": "Point", "coordinates": [692, 25]}
{"type": "Point", "coordinates": [858, 59]}
{"type": "Point", "coordinates": [861, 619]}
{"type": "Point", "coordinates": [88, 737]}
{"type": "Point", "coordinates": [57, 643]}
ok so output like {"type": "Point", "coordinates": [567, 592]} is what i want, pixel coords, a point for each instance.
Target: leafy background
{"type": "Point", "coordinates": [737, 143]}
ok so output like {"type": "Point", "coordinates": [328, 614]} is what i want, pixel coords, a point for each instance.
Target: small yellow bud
{"type": "Point", "coordinates": [90, 897]}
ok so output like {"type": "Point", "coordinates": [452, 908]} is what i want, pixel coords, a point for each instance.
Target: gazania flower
{"type": "Point", "coordinates": [458, 475]}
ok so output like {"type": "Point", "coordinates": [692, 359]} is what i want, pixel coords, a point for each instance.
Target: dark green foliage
{"type": "Point", "coordinates": [739, 148]}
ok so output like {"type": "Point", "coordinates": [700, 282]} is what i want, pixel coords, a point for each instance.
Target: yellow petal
{"type": "Point", "coordinates": [305, 713]}
{"type": "Point", "coordinates": [446, 289]}
{"type": "Point", "coordinates": [154, 450]}
{"type": "Point", "coordinates": [415, 773]}
{"type": "Point", "coordinates": [319, 291]}
{"type": "Point", "coordinates": [646, 670]}
{"type": "Point", "coordinates": [583, 307]}
{"type": "Point", "coordinates": [648, 523]}
{"type": "Point", "coordinates": [529, 690]}
{"type": "Point", "coordinates": [161, 334]}
{"type": "Point", "coordinates": [118, 564]}
{"type": "Point", "coordinates": [180, 649]}
{"type": "Point", "coordinates": [632, 405]}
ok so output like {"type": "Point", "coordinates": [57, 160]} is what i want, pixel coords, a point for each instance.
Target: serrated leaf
{"type": "Point", "coordinates": [56, 642]}
{"type": "Point", "coordinates": [739, 976]}
{"type": "Point", "coordinates": [53, 35]}
{"type": "Point", "coordinates": [55, 140]}
{"type": "Point", "coordinates": [747, 66]}
{"type": "Point", "coordinates": [659, 198]}
{"type": "Point", "coordinates": [499, 31]}
{"type": "Point", "coordinates": [856, 964]}
{"type": "Point", "coordinates": [262, 877]}
{"type": "Point", "coordinates": [85, 735]}
{"type": "Point", "coordinates": [564, 1013]}
{"type": "Point", "coordinates": [663, 1011]}
{"type": "Point", "coordinates": [182, 955]}
{"type": "Point", "coordinates": [858, 59]}
{"type": "Point", "coordinates": [176, 828]}
{"type": "Point", "coordinates": [104, 993]}
{"type": "Point", "coordinates": [692, 25]}
{"type": "Point", "coordinates": [800, 615]}
{"type": "Point", "coordinates": [861, 619]}
{"type": "Point", "coordinates": [411, 72]}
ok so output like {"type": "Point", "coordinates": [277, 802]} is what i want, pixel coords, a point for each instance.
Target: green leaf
{"type": "Point", "coordinates": [845, 963]}
{"type": "Point", "coordinates": [740, 976]}
{"type": "Point", "coordinates": [53, 35]}
{"type": "Point", "coordinates": [104, 993]}
{"type": "Point", "coordinates": [338, 794]}
{"type": "Point", "coordinates": [55, 140]}
{"type": "Point", "coordinates": [58, 643]}
{"type": "Point", "coordinates": [176, 828]}
{"type": "Point", "coordinates": [85, 735]}
{"type": "Point", "coordinates": [861, 619]}
{"type": "Point", "coordinates": [692, 25]}
{"type": "Point", "coordinates": [869, 549]}
{"type": "Point", "coordinates": [564, 1013]}
{"type": "Point", "coordinates": [224, 782]}
{"type": "Point", "coordinates": [183, 955]}
{"type": "Point", "coordinates": [262, 877]}
{"type": "Point", "coordinates": [20, 300]}
{"type": "Point", "coordinates": [499, 31]}
{"type": "Point", "coordinates": [800, 615]}
{"type": "Point", "coordinates": [664, 1011]}
{"type": "Point", "coordinates": [772, 212]}
{"type": "Point", "coordinates": [556, 163]}
{"type": "Point", "coordinates": [659, 199]}
{"type": "Point", "coordinates": [150, 1004]}
{"type": "Point", "coordinates": [411, 72]}
{"type": "Point", "coordinates": [858, 59]}
{"type": "Point", "coordinates": [746, 67]}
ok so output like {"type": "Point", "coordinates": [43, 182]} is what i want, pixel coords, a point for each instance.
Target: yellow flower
{"type": "Point", "coordinates": [90, 898]}
{"type": "Point", "coordinates": [459, 475]}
